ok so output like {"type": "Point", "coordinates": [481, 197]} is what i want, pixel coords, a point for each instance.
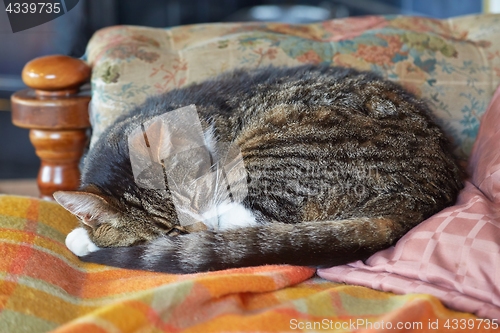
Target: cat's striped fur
{"type": "Point", "coordinates": [340, 164]}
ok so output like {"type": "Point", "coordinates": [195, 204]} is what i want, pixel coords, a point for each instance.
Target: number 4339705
{"type": "Point", "coordinates": [33, 7]}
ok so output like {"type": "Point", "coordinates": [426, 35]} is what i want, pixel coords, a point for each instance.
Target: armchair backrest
{"type": "Point", "coordinates": [453, 63]}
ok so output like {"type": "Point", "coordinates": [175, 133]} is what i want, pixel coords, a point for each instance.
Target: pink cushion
{"type": "Point", "coordinates": [455, 254]}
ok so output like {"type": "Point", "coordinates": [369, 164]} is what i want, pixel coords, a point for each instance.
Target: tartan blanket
{"type": "Point", "coordinates": [45, 288]}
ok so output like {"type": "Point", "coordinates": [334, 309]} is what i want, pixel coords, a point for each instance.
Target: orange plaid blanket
{"type": "Point", "coordinates": [44, 287]}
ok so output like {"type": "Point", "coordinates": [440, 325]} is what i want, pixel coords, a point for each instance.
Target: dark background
{"type": "Point", "coordinates": [70, 33]}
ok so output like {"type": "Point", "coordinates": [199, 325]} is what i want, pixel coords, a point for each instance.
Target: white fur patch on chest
{"type": "Point", "coordinates": [78, 242]}
{"type": "Point", "coordinates": [229, 216]}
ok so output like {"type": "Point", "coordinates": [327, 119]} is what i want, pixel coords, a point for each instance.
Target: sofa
{"type": "Point", "coordinates": [444, 275]}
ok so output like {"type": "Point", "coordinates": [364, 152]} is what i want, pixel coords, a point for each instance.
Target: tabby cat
{"type": "Point", "coordinates": [339, 164]}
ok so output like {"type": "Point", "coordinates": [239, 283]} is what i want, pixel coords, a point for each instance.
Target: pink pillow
{"type": "Point", "coordinates": [455, 254]}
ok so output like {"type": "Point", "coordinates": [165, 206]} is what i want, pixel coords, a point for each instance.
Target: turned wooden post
{"type": "Point", "coordinates": [57, 115]}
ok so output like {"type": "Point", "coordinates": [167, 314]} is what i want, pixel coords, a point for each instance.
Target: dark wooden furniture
{"type": "Point", "coordinates": [56, 112]}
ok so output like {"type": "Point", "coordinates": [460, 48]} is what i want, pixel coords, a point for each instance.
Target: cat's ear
{"type": "Point", "coordinates": [92, 209]}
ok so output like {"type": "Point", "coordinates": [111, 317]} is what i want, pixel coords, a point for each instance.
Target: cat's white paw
{"type": "Point", "coordinates": [229, 216]}
{"type": "Point", "coordinates": [79, 243]}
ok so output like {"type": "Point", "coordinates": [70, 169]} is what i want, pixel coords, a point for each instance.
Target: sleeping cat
{"type": "Point", "coordinates": [339, 164]}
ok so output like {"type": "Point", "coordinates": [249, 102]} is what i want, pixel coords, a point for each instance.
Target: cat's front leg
{"type": "Point", "coordinates": [229, 216]}
{"type": "Point", "coordinates": [78, 242]}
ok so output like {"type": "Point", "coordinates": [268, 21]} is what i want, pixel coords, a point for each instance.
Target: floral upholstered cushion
{"type": "Point", "coordinates": [453, 63]}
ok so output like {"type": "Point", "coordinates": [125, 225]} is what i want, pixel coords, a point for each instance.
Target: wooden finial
{"type": "Point", "coordinates": [57, 116]}
{"type": "Point", "coordinates": [55, 75]}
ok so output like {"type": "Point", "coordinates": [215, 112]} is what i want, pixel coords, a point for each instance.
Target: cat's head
{"type": "Point", "coordinates": [124, 222]}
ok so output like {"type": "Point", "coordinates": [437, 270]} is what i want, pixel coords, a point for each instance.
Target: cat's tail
{"type": "Point", "coordinates": [319, 244]}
